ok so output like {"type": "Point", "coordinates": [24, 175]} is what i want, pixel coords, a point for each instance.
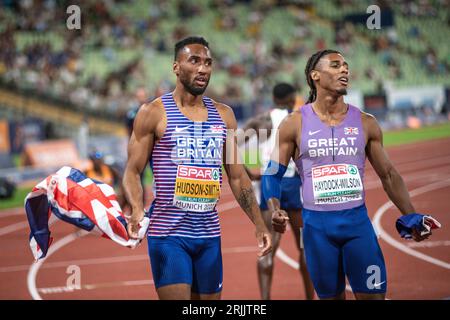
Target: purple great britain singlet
{"type": "Point", "coordinates": [332, 161]}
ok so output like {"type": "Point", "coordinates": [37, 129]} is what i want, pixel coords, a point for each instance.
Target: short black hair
{"type": "Point", "coordinates": [282, 90]}
{"type": "Point", "coordinates": [187, 41]}
{"type": "Point", "coordinates": [310, 65]}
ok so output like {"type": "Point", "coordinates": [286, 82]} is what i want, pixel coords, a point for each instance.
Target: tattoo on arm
{"type": "Point", "coordinates": [247, 200]}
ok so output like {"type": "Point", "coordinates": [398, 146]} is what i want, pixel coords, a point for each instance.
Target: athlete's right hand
{"type": "Point", "coordinates": [133, 225]}
{"type": "Point", "coordinates": [279, 220]}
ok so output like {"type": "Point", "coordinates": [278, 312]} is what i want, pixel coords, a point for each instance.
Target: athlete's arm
{"type": "Point", "coordinates": [240, 182]}
{"type": "Point", "coordinates": [253, 127]}
{"type": "Point", "coordinates": [392, 182]}
{"type": "Point", "coordinates": [282, 153]}
{"type": "Point", "coordinates": [253, 173]}
{"type": "Point", "coordinates": [140, 148]}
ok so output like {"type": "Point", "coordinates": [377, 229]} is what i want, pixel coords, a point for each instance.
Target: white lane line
{"type": "Point", "coordinates": [240, 249]}
{"type": "Point", "coordinates": [106, 260]}
{"type": "Point", "coordinates": [429, 244]}
{"type": "Point", "coordinates": [399, 245]}
{"type": "Point", "coordinates": [34, 268]}
{"type": "Point", "coordinates": [13, 227]}
{"type": "Point", "coordinates": [422, 164]}
{"type": "Point", "coordinates": [227, 206]}
{"type": "Point", "coordinates": [12, 212]}
{"type": "Point", "coordinates": [20, 225]}
{"type": "Point", "coordinates": [286, 259]}
{"type": "Point", "coordinates": [81, 262]}
{"type": "Point", "coordinates": [65, 289]}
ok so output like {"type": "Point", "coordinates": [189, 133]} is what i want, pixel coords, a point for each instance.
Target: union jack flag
{"type": "Point", "coordinates": [76, 199]}
{"type": "Point", "coordinates": [422, 223]}
{"type": "Point", "coordinates": [216, 128]}
{"type": "Point", "coordinates": [351, 130]}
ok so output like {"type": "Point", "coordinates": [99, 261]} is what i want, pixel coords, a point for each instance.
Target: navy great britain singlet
{"type": "Point", "coordinates": [187, 168]}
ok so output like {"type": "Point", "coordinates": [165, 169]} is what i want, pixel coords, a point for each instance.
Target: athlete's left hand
{"type": "Point", "coordinates": [264, 241]}
{"type": "Point", "coordinates": [134, 226]}
{"type": "Point", "coordinates": [416, 235]}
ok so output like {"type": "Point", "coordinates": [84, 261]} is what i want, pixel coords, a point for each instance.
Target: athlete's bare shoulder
{"type": "Point", "coordinates": [292, 123]}
{"type": "Point", "coordinates": [221, 106]}
{"type": "Point", "coordinates": [367, 117]}
{"type": "Point", "coordinates": [150, 117]}
{"type": "Point", "coordinates": [289, 136]}
{"type": "Point", "coordinates": [227, 114]}
{"type": "Point", "coordinates": [370, 125]}
{"type": "Point", "coordinates": [152, 108]}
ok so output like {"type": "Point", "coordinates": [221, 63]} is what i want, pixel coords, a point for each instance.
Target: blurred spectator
{"type": "Point", "coordinates": [140, 98]}
{"type": "Point", "coordinates": [343, 35]}
{"type": "Point", "coordinates": [432, 63]}
{"type": "Point", "coordinates": [100, 171]}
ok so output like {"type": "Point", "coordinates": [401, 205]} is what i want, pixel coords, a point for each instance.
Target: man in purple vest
{"type": "Point", "coordinates": [329, 141]}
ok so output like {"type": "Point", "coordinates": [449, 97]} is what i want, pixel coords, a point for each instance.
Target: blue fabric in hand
{"type": "Point", "coordinates": [422, 223]}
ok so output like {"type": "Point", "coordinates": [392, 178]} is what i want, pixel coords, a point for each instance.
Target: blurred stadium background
{"type": "Point", "coordinates": [65, 93]}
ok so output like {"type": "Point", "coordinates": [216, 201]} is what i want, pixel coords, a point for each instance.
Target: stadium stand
{"type": "Point", "coordinates": [125, 44]}
{"type": "Point", "coordinates": [64, 76]}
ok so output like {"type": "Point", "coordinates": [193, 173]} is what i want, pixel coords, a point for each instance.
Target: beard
{"type": "Point", "coordinates": [342, 91]}
{"type": "Point", "coordinates": [191, 88]}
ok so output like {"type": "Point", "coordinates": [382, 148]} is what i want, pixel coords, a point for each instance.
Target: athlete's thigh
{"type": "Point", "coordinates": [267, 217]}
{"type": "Point", "coordinates": [295, 220]}
{"type": "Point", "coordinates": [323, 257]}
{"type": "Point", "coordinates": [276, 236]}
{"type": "Point", "coordinates": [180, 291]}
{"type": "Point", "coordinates": [364, 262]}
{"type": "Point", "coordinates": [207, 268]}
{"type": "Point", "coordinates": [290, 193]}
{"type": "Point", "coordinates": [211, 296]}
{"type": "Point", "coordinates": [171, 263]}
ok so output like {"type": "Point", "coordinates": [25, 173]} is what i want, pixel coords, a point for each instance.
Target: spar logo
{"type": "Point", "coordinates": [197, 173]}
{"type": "Point", "coordinates": [334, 170]}
{"type": "Point", "coordinates": [215, 174]}
{"type": "Point", "coordinates": [352, 170]}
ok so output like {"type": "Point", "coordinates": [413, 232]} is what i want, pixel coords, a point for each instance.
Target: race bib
{"type": "Point", "coordinates": [336, 183]}
{"type": "Point", "coordinates": [196, 188]}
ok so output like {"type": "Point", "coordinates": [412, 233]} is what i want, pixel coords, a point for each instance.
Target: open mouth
{"type": "Point", "coordinates": [343, 81]}
{"type": "Point", "coordinates": [200, 81]}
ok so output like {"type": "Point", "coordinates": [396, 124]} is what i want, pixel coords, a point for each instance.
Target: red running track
{"type": "Point", "coordinates": [108, 271]}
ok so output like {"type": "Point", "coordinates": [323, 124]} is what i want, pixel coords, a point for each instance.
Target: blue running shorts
{"type": "Point", "coordinates": [290, 194]}
{"type": "Point", "coordinates": [195, 261]}
{"type": "Point", "coordinates": [343, 243]}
